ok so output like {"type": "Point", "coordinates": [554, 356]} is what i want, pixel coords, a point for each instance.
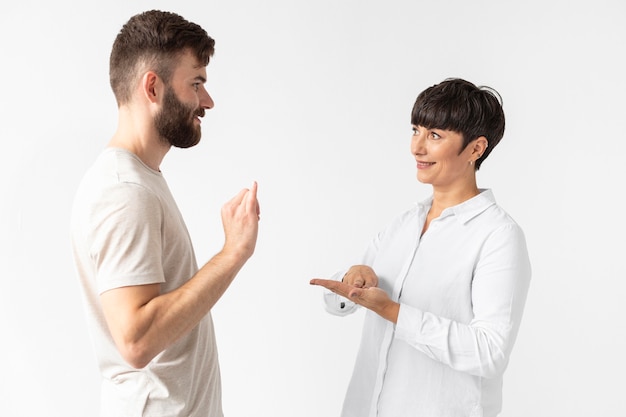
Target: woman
{"type": "Point", "coordinates": [445, 284]}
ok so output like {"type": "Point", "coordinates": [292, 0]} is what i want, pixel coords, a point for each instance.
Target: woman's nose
{"type": "Point", "coordinates": [417, 144]}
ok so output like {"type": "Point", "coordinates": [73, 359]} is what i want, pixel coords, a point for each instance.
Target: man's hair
{"type": "Point", "coordinates": [153, 40]}
{"type": "Point", "coordinates": [462, 107]}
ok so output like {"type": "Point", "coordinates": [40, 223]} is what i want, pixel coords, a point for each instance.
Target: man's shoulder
{"type": "Point", "coordinates": [117, 170]}
{"type": "Point", "coordinates": [117, 180]}
{"type": "Point", "coordinates": [122, 166]}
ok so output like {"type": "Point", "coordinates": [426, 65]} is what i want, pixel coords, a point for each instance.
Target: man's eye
{"type": "Point", "coordinates": [414, 129]}
{"type": "Point", "coordinates": [435, 136]}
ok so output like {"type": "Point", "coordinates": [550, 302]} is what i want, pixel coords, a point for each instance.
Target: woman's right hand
{"type": "Point", "coordinates": [361, 276]}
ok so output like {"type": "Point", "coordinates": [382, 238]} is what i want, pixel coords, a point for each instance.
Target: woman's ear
{"type": "Point", "coordinates": [479, 147]}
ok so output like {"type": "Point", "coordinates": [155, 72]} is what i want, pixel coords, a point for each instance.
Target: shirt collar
{"type": "Point", "coordinates": [468, 209]}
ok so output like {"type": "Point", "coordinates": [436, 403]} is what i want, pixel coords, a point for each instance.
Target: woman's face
{"type": "Point", "coordinates": [440, 161]}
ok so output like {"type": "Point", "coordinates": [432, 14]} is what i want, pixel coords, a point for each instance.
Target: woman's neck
{"type": "Point", "coordinates": [444, 199]}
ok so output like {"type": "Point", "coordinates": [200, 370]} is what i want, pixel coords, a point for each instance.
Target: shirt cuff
{"type": "Point", "coordinates": [409, 323]}
{"type": "Point", "coordinates": [336, 304]}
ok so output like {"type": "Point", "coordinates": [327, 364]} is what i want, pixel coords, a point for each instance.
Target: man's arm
{"type": "Point", "coordinates": [143, 322]}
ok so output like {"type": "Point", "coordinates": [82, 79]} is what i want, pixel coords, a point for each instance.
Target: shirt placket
{"type": "Point", "coordinates": [390, 327]}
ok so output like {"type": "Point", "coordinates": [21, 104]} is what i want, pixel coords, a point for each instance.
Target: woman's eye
{"type": "Point", "coordinates": [435, 136]}
{"type": "Point", "coordinates": [414, 130]}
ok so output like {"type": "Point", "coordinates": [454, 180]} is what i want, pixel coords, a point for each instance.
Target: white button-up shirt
{"type": "Point", "coordinates": [461, 288]}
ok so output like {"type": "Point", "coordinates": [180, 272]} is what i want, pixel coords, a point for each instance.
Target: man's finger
{"type": "Point", "coordinates": [252, 205]}
{"type": "Point", "coordinates": [236, 200]}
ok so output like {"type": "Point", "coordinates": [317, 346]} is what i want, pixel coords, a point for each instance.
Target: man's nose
{"type": "Point", "coordinates": [206, 101]}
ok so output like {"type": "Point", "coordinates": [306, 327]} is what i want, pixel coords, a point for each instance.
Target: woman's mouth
{"type": "Point", "coordinates": [423, 165]}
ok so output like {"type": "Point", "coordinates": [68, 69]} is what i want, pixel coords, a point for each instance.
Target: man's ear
{"type": "Point", "coordinates": [151, 86]}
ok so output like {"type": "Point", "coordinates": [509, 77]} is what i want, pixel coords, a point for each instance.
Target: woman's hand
{"type": "Point", "coordinates": [357, 287]}
{"type": "Point", "coordinates": [361, 276]}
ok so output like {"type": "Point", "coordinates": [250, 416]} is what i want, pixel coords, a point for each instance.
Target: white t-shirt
{"type": "Point", "coordinates": [127, 230]}
{"type": "Point", "coordinates": [462, 287]}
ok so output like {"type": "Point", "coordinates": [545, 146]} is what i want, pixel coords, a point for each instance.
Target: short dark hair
{"type": "Point", "coordinates": [460, 106]}
{"type": "Point", "coordinates": [154, 39]}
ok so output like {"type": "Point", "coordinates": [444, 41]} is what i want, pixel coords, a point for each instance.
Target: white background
{"type": "Point", "coordinates": [313, 101]}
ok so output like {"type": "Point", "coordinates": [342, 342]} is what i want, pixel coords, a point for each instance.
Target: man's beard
{"type": "Point", "coordinates": [175, 122]}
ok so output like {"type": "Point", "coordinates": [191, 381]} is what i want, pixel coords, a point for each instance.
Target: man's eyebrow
{"type": "Point", "coordinates": [200, 78]}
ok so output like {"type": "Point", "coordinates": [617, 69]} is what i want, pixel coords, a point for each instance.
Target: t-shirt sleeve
{"type": "Point", "coordinates": [125, 237]}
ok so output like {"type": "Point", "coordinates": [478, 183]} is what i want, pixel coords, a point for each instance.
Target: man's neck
{"type": "Point", "coordinates": [137, 135]}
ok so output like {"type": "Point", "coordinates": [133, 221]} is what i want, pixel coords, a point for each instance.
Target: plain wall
{"type": "Point", "coordinates": [313, 101]}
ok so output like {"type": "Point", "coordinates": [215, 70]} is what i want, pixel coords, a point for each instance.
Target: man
{"type": "Point", "coordinates": [148, 305]}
